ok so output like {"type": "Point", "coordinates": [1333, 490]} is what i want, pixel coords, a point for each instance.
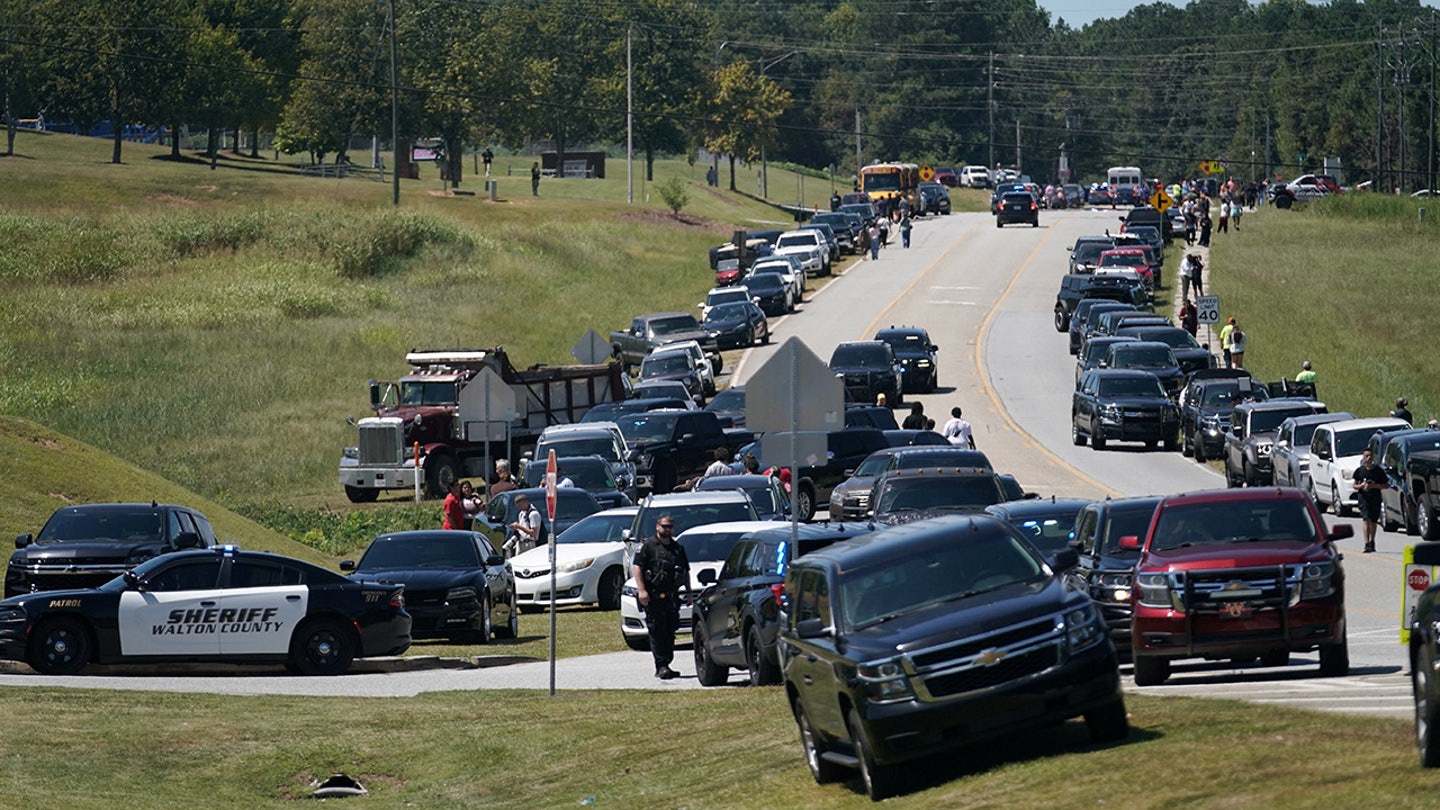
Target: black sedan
{"type": "Point", "coordinates": [217, 604]}
{"type": "Point", "coordinates": [738, 325]}
{"type": "Point", "coordinates": [772, 293]}
{"type": "Point", "coordinates": [457, 586]}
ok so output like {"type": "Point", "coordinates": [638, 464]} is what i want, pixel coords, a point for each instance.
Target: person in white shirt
{"type": "Point", "coordinates": [957, 430]}
{"type": "Point", "coordinates": [525, 530]}
{"type": "Point", "coordinates": [721, 464]}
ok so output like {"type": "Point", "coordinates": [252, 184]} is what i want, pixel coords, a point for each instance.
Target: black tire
{"type": "Point", "coordinates": [1427, 713]}
{"type": "Point", "coordinates": [1097, 441]}
{"type": "Point", "coordinates": [814, 747]}
{"type": "Point", "coordinates": [59, 646]}
{"type": "Point", "coordinates": [611, 583]}
{"type": "Point", "coordinates": [1335, 659]}
{"type": "Point", "coordinates": [1187, 449]}
{"type": "Point", "coordinates": [322, 647]}
{"type": "Point", "coordinates": [806, 498]}
{"type": "Point", "coordinates": [763, 671]}
{"type": "Point", "coordinates": [440, 471]}
{"type": "Point", "coordinates": [1151, 670]}
{"type": "Point", "coordinates": [1386, 522]}
{"type": "Point", "coordinates": [1076, 437]}
{"type": "Point", "coordinates": [511, 629]}
{"type": "Point", "coordinates": [765, 341]}
{"type": "Point", "coordinates": [1335, 503]}
{"type": "Point", "coordinates": [1275, 658]}
{"type": "Point", "coordinates": [1247, 475]}
{"type": "Point", "coordinates": [1109, 722]}
{"type": "Point", "coordinates": [1425, 522]}
{"type": "Point", "coordinates": [707, 672]}
{"type": "Point", "coordinates": [1283, 201]}
{"type": "Point", "coordinates": [998, 224]}
{"type": "Point", "coordinates": [1198, 447]}
{"type": "Point", "coordinates": [881, 781]}
{"type": "Point", "coordinates": [1408, 514]}
{"type": "Point", "coordinates": [481, 634]}
{"type": "Point", "coordinates": [637, 643]}
{"type": "Point", "coordinates": [1172, 444]}
{"type": "Point", "coordinates": [1062, 323]}
{"type": "Point", "coordinates": [361, 494]}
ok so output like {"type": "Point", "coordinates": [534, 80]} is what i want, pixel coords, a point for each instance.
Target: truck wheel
{"type": "Point", "coordinates": [707, 672]}
{"type": "Point", "coordinates": [881, 781]}
{"type": "Point", "coordinates": [1335, 659]}
{"type": "Point", "coordinates": [361, 494]}
{"type": "Point", "coordinates": [1198, 447]}
{"type": "Point", "coordinates": [440, 472]}
{"type": "Point", "coordinates": [1283, 201]}
{"type": "Point", "coordinates": [1076, 437]}
{"type": "Point", "coordinates": [1407, 516]}
{"type": "Point", "coordinates": [1426, 522]}
{"type": "Point", "coordinates": [1109, 722]}
{"type": "Point", "coordinates": [823, 770]}
{"type": "Point", "coordinates": [1062, 323]}
{"type": "Point", "coordinates": [59, 646]}
{"type": "Point", "coordinates": [1427, 714]}
{"type": "Point", "coordinates": [1171, 443]}
{"type": "Point", "coordinates": [763, 672]}
{"type": "Point", "coordinates": [1187, 449]}
{"type": "Point", "coordinates": [806, 498]}
{"type": "Point", "coordinates": [1386, 522]}
{"type": "Point", "coordinates": [1151, 670]}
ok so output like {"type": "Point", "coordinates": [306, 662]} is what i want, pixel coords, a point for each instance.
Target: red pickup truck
{"type": "Point", "coordinates": [1237, 574]}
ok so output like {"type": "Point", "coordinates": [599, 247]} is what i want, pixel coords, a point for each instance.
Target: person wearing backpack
{"type": "Point", "coordinates": [527, 530]}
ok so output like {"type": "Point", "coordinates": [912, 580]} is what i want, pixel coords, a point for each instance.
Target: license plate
{"type": "Point", "coordinates": [1234, 610]}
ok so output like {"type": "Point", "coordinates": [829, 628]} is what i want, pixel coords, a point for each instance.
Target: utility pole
{"type": "Point", "coordinates": [1379, 182]}
{"type": "Point", "coordinates": [990, 106]}
{"type": "Point", "coordinates": [858, 164]}
{"type": "Point", "coordinates": [394, 106]}
{"type": "Point", "coordinates": [1017, 145]}
{"type": "Point", "coordinates": [629, 118]}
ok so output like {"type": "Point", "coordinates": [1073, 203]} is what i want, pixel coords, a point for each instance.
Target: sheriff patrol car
{"type": "Point", "coordinates": [218, 604]}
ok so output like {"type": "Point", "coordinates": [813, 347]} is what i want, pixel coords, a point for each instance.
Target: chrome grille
{"type": "Point", "coordinates": [986, 661]}
{"type": "Point", "coordinates": [381, 444]}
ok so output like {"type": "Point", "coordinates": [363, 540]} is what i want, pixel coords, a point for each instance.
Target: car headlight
{"type": "Point", "coordinates": [630, 591]}
{"type": "Point", "coordinates": [351, 452]}
{"type": "Point", "coordinates": [1347, 475]}
{"type": "Point", "coordinates": [884, 682]}
{"type": "Point", "coordinates": [644, 460]}
{"type": "Point", "coordinates": [576, 565]}
{"type": "Point", "coordinates": [1318, 579]}
{"type": "Point", "coordinates": [1083, 628]}
{"type": "Point", "coordinates": [922, 363]}
{"type": "Point", "coordinates": [1114, 588]}
{"type": "Point", "coordinates": [11, 615]}
{"type": "Point", "coordinates": [1154, 590]}
{"type": "Point", "coordinates": [462, 594]}
{"type": "Point", "coordinates": [1109, 411]}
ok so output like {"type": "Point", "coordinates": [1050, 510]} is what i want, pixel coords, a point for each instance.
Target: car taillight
{"type": "Point", "coordinates": [1032, 206]}
{"type": "Point", "coordinates": [778, 591]}
{"type": "Point", "coordinates": [397, 599]}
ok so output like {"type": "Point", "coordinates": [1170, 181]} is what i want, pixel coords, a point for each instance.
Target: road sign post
{"type": "Point", "coordinates": [550, 540]}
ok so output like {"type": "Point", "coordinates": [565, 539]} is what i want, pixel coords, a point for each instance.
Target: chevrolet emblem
{"type": "Point", "coordinates": [989, 658]}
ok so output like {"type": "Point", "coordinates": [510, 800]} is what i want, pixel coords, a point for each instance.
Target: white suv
{"type": "Point", "coordinates": [975, 177]}
{"type": "Point", "coordinates": [809, 246]}
{"type": "Point", "coordinates": [1335, 450]}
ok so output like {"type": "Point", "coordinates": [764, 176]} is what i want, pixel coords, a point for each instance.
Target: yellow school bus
{"type": "Point", "coordinates": [886, 181]}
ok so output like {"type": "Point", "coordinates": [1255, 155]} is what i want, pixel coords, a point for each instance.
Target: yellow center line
{"type": "Point", "coordinates": [875, 324]}
{"type": "Point", "coordinates": [990, 390]}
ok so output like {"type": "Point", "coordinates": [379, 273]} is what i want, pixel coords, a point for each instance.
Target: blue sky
{"type": "Point", "coordinates": [1079, 12]}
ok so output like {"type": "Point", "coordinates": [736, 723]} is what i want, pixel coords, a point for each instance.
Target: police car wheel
{"type": "Point", "coordinates": [59, 647]}
{"type": "Point", "coordinates": [322, 647]}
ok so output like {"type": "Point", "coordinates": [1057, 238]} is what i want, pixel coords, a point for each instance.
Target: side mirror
{"type": "Point", "coordinates": [812, 628]}
{"type": "Point", "coordinates": [1130, 542]}
{"type": "Point", "coordinates": [707, 576]}
{"type": "Point", "coordinates": [850, 471]}
{"type": "Point", "coordinates": [347, 565]}
{"type": "Point", "coordinates": [1030, 496]}
{"type": "Point", "coordinates": [1342, 531]}
{"type": "Point", "coordinates": [133, 581]}
{"type": "Point", "coordinates": [493, 561]}
{"type": "Point", "coordinates": [374, 395]}
{"type": "Point", "coordinates": [23, 540]}
{"type": "Point", "coordinates": [1064, 559]}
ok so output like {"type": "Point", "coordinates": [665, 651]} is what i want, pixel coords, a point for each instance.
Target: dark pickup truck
{"type": "Point", "coordinates": [1426, 465]}
{"type": "Point", "coordinates": [649, 332]}
{"type": "Point", "coordinates": [1078, 287]}
{"type": "Point", "coordinates": [668, 447]}
{"type": "Point", "coordinates": [1412, 500]}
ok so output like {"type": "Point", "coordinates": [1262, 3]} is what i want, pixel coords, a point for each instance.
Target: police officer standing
{"type": "Point", "coordinates": [660, 569]}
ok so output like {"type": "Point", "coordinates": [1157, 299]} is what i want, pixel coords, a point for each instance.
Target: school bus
{"type": "Point", "coordinates": [887, 181]}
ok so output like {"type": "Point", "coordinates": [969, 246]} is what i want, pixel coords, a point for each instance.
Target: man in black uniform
{"type": "Point", "coordinates": [1370, 480]}
{"type": "Point", "coordinates": [660, 570]}
{"type": "Point", "coordinates": [1402, 411]}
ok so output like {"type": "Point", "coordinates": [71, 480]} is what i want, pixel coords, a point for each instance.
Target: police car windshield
{"type": "Point", "coordinates": [923, 578]}
{"type": "Point", "coordinates": [664, 364]}
{"type": "Point", "coordinates": [391, 552]}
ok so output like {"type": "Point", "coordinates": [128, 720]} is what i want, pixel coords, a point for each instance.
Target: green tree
{"type": "Point", "coordinates": [676, 194]}
{"type": "Point", "coordinates": [742, 110]}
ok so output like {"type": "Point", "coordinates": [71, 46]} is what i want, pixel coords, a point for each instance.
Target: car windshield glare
{"type": "Point", "coordinates": [726, 312]}
{"type": "Point", "coordinates": [139, 526]}
{"type": "Point", "coordinates": [935, 575]}
{"type": "Point", "coordinates": [1269, 421]}
{"type": "Point", "coordinates": [603, 447]}
{"type": "Point", "coordinates": [1352, 442]}
{"type": "Point", "coordinates": [1233, 522]}
{"type": "Point", "coordinates": [1122, 523]}
{"type": "Point", "coordinates": [1131, 387]}
{"type": "Point", "coordinates": [597, 529]}
{"type": "Point", "coordinates": [426, 551]}
{"type": "Point", "coordinates": [1143, 357]}
{"type": "Point", "coordinates": [646, 427]}
{"type": "Point", "coordinates": [942, 457]}
{"type": "Point", "coordinates": [731, 399]}
{"type": "Point", "coordinates": [670, 326]}
{"type": "Point", "coordinates": [708, 546]}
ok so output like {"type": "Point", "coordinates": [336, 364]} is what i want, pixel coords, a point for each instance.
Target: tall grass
{"type": "Point", "coordinates": [1352, 284]}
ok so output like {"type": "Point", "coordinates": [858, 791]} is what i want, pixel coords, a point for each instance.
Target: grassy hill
{"type": "Point", "coordinates": [45, 470]}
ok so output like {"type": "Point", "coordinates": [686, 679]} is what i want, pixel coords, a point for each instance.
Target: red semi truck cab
{"type": "Point", "coordinates": [1237, 574]}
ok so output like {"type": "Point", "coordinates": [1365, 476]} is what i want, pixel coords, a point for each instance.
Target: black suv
{"type": "Point", "coordinates": [851, 499]}
{"type": "Point", "coordinates": [933, 635]}
{"type": "Point", "coordinates": [912, 347]}
{"type": "Point", "coordinates": [1205, 408]}
{"type": "Point", "coordinates": [902, 496]}
{"type": "Point", "coordinates": [87, 546]}
{"type": "Point", "coordinates": [737, 615]}
{"type": "Point", "coordinates": [868, 368]}
{"type": "Point", "coordinates": [1127, 406]}
{"type": "Point", "coordinates": [1085, 253]}
{"type": "Point", "coordinates": [1250, 438]}
{"type": "Point", "coordinates": [1193, 355]}
{"type": "Point", "coordinates": [1108, 569]}
{"type": "Point", "coordinates": [1083, 319]}
{"type": "Point", "coordinates": [1017, 206]}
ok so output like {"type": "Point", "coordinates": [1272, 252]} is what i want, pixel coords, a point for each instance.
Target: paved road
{"type": "Point", "coordinates": [986, 295]}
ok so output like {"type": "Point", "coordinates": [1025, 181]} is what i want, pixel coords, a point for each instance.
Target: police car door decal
{"type": "Point", "coordinates": [261, 620]}
{"type": "Point", "coordinates": [169, 622]}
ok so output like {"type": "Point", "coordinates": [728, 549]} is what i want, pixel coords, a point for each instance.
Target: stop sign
{"type": "Point", "coordinates": [550, 486]}
{"type": "Point", "coordinates": [1419, 579]}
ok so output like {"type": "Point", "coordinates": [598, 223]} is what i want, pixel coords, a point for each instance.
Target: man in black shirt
{"type": "Point", "coordinates": [660, 569]}
{"type": "Point", "coordinates": [1401, 411]}
{"type": "Point", "coordinates": [1370, 480]}
{"type": "Point", "coordinates": [916, 420]}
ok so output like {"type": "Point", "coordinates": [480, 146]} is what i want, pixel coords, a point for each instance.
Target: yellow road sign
{"type": "Point", "coordinates": [1161, 200]}
{"type": "Point", "coordinates": [927, 174]}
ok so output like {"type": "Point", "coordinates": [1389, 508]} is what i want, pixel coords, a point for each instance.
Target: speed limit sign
{"type": "Point", "coordinates": [1207, 308]}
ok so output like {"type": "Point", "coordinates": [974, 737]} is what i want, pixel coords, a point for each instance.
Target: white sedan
{"type": "Point", "coordinates": [706, 547]}
{"type": "Point", "coordinates": [589, 564]}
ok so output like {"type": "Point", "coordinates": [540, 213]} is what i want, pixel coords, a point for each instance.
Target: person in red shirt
{"type": "Point", "coordinates": [454, 508]}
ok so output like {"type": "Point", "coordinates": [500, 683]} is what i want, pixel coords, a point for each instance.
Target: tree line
{"type": "Point", "coordinates": [1271, 88]}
